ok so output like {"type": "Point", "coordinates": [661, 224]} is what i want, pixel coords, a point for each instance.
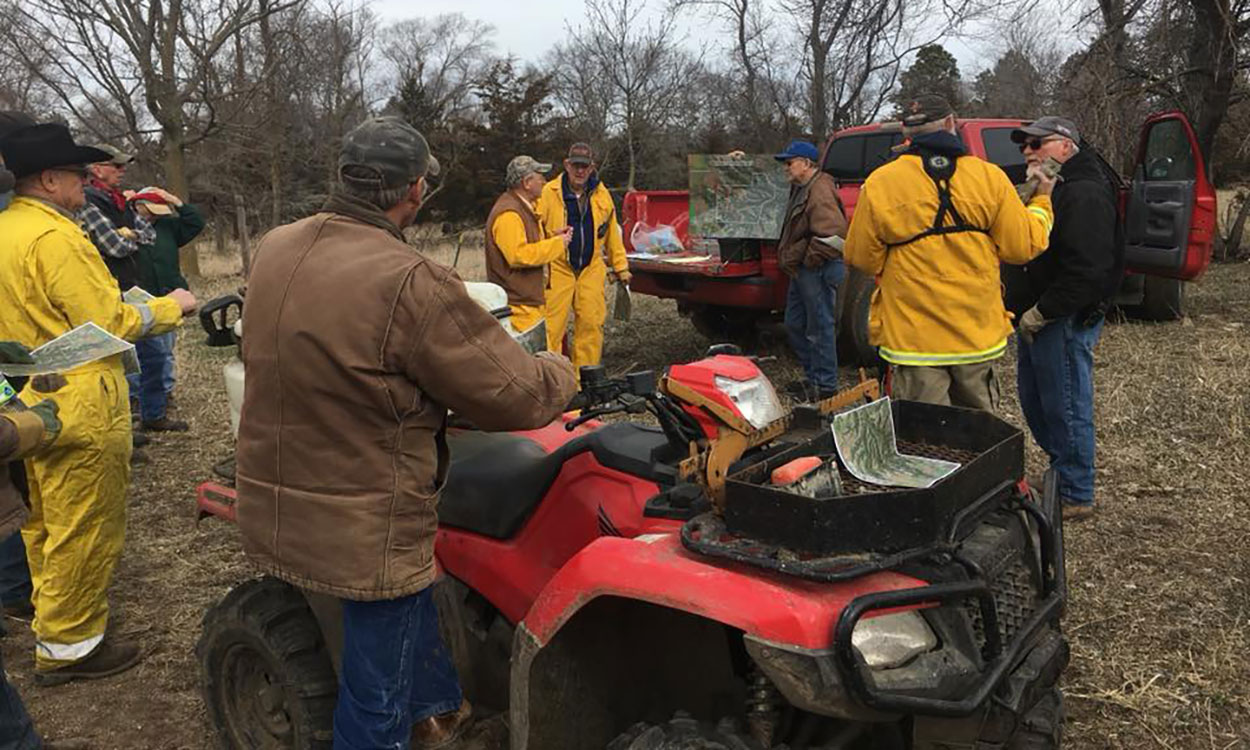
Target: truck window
{"type": "Point", "coordinates": [852, 158]}
{"type": "Point", "coordinates": [1168, 154]}
{"type": "Point", "coordinates": [1000, 150]}
{"type": "Point", "coordinates": [845, 158]}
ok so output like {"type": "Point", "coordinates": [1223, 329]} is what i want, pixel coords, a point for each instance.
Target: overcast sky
{"type": "Point", "coordinates": [529, 29]}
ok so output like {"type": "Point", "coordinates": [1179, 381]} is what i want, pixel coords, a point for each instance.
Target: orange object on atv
{"type": "Point", "coordinates": [792, 472]}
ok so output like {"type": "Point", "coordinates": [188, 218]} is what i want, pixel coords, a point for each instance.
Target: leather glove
{"type": "Point", "coordinates": [623, 276]}
{"type": "Point", "coordinates": [15, 353]}
{"type": "Point", "coordinates": [1030, 323]}
{"type": "Point", "coordinates": [47, 411]}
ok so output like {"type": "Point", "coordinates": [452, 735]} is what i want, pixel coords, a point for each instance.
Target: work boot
{"type": "Point", "coordinates": [165, 424]}
{"type": "Point", "coordinates": [1073, 512]}
{"type": "Point", "coordinates": [442, 730]}
{"type": "Point", "coordinates": [108, 659]}
{"type": "Point", "coordinates": [138, 439]}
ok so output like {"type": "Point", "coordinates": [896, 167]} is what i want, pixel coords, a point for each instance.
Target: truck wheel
{"type": "Point", "coordinates": [684, 733]}
{"type": "Point", "coordinates": [724, 325]}
{"type": "Point", "coordinates": [265, 672]}
{"type": "Point", "coordinates": [853, 345]}
{"type": "Point", "coordinates": [1163, 299]}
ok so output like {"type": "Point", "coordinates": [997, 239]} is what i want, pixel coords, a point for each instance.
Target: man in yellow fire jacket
{"type": "Point", "coordinates": [933, 226]}
{"type": "Point", "coordinates": [53, 281]}
{"type": "Point", "coordinates": [578, 200]}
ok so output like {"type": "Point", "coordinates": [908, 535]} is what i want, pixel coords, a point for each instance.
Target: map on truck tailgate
{"type": "Point", "coordinates": [868, 449]}
{"type": "Point", "coordinates": [737, 197]}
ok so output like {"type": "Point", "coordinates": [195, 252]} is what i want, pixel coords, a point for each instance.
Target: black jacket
{"type": "Point", "coordinates": [1082, 267]}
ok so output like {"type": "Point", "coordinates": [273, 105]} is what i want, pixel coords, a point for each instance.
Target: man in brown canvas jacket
{"type": "Point", "coordinates": [356, 347]}
{"type": "Point", "coordinates": [809, 252]}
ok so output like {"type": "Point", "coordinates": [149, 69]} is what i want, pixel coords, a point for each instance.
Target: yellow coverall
{"type": "Point", "coordinates": [509, 234]}
{"type": "Point", "coordinates": [581, 292]}
{"type": "Point", "coordinates": [52, 280]}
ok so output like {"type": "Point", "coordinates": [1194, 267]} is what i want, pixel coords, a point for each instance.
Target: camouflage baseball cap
{"type": "Point", "coordinates": [523, 165]}
{"type": "Point", "coordinates": [117, 157]}
{"type": "Point", "coordinates": [384, 151]}
{"type": "Point", "coordinates": [581, 153]}
{"type": "Point", "coordinates": [925, 109]}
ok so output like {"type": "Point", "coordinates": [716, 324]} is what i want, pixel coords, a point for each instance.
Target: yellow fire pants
{"type": "Point", "coordinates": [582, 293]}
{"type": "Point", "coordinates": [78, 513]}
{"type": "Point", "coordinates": [525, 317]}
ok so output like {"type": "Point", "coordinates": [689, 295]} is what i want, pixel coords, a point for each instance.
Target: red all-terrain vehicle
{"type": "Point", "coordinates": [626, 585]}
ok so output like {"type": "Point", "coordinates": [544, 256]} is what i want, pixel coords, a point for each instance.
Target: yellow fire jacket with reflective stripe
{"type": "Point", "coordinates": [939, 299]}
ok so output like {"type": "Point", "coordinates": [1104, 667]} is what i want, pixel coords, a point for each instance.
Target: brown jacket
{"type": "Point", "coordinates": [20, 433]}
{"type": "Point", "coordinates": [814, 210]}
{"type": "Point", "coordinates": [356, 346]}
{"type": "Point", "coordinates": [525, 285]}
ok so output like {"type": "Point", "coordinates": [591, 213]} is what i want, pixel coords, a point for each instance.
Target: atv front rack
{"type": "Point", "coordinates": [1000, 655]}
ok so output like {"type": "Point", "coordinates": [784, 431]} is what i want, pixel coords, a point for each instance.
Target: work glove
{"type": "Point", "coordinates": [47, 410]}
{"type": "Point", "coordinates": [623, 276]}
{"type": "Point", "coordinates": [1030, 323]}
{"type": "Point", "coordinates": [49, 383]}
{"type": "Point", "coordinates": [15, 353]}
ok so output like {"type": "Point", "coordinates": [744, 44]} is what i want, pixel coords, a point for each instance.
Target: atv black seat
{"type": "Point", "coordinates": [497, 479]}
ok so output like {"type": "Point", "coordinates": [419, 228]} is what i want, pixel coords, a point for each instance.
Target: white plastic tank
{"type": "Point", "coordinates": [234, 383]}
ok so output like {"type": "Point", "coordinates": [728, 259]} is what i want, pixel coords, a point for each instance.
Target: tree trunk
{"type": "Point", "coordinates": [176, 183]}
{"type": "Point", "coordinates": [1212, 53]}
{"type": "Point", "coordinates": [820, 115]}
{"type": "Point", "coordinates": [245, 242]}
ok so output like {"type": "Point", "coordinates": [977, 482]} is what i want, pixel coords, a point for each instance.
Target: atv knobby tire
{"type": "Point", "coordinates": [265, 673]}
{"type": "Point", "coordinates": [1041, 728]}
{"type": "Point", "coordinates": [683, 733]}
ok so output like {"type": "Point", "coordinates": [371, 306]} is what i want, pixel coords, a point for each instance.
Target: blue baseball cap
{"type": "Point", "coordinates": [805, 149]}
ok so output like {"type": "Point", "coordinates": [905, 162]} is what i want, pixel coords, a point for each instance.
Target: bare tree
{"type": "Point", "coordinates": [147, 62]}
{"type": "Point", "coordinates": [853, 50]}
{"type": "Point", "coordinates": [640, 64]}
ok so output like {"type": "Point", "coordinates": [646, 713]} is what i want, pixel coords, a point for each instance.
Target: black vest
{"type": "Point", "coordinates": [125, 270]}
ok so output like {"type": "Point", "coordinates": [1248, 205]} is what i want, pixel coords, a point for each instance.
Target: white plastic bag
{"type": "Point", "coordinates": [655, 240]}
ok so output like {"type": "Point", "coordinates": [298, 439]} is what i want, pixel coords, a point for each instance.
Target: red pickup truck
{"type": "Point", "coordinates": [1168, 209]}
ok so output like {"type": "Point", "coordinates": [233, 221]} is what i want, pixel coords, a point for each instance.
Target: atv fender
{"type": "Point", "coordinates": [683, 598]}
{"type": "Point", "coordinates": [656, 568]}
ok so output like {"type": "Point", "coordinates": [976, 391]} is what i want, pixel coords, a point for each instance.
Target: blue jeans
{"type": "Point", "coordinates": [1056, 380]}
{"type": "Point", "coordinates": [811, 310]}
{"type": "Point", "coordinates": [17, 731]}
{"type": "Point", "coordinates": [14, 573]}
{"type": "Point", "coordinates": [151, 387]}
{"type": "Point", "coordinates": [396, 671]}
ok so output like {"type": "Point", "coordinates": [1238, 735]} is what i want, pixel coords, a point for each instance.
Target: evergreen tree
{"type": "Point", "coordinates": [935, 71]}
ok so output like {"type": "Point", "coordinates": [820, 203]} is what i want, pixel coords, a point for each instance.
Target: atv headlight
{"type": "Point", "coordinates": [755, 398]}
{"type": "Point", "coordinates": [890, 641]}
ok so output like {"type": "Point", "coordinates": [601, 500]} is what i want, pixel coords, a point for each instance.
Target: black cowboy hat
{"type": "Point", "coordinates": [33, 149]}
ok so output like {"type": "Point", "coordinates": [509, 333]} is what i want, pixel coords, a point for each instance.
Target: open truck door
{"type": "Point", "coordinates": [1170, 222]}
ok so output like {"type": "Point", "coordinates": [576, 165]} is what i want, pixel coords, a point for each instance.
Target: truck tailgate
{"type": "Point", "coordinates": [694, 265]}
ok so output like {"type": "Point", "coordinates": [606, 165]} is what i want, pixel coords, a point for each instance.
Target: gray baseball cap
{"type": "Point", "coordinates": [925, 109]}
{"type": "Point", "coordinates": [388, 151]}
{"type": "Point", "coordinates": [1044, 126]}
{"type": "Point", "coordinates": [523, 165]}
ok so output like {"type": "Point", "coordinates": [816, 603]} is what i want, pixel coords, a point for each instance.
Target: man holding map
{"type": "Point", "coordinates": [58, 283]}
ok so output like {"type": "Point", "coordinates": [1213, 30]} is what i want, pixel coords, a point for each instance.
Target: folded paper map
{"type": "Point", "coordinates": [868, 449]}
{"type": "Point", "coordinates": [86, 343]}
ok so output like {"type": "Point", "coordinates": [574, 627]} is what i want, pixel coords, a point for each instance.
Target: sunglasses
{"type": "Point", "coordinates": [1036, 143]}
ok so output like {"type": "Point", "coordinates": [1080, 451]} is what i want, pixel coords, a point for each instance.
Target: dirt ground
{"type": "Point", "coordinates": [1160, 612]}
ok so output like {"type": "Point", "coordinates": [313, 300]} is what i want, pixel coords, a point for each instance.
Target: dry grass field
{"type": "Point", "coordinates": [1160, 613]}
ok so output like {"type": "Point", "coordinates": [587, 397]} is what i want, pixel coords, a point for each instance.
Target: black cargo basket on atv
{"type": "Point", "coordinates": [874, 520]}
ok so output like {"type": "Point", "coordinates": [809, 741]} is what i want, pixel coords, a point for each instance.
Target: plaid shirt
{"type": "Point", "coordinates": [106, 237]}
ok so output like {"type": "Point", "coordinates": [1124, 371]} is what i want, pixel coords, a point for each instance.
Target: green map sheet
{"type": "Point", "coordinates": [868, 449]}
{"type": "Point", "coordinates": [737, 197]}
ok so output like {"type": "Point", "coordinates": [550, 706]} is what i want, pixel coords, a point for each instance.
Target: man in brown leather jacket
{"type": "Point", "coordinates": [810, 252]}
{"type": "Point", "coordinates": [357, 345]}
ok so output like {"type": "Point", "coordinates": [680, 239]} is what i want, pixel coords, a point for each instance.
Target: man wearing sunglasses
{"type": "Point", "coordinates": [1059, 300]}
{"type": "Point", "coordinates": [56, 281]}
